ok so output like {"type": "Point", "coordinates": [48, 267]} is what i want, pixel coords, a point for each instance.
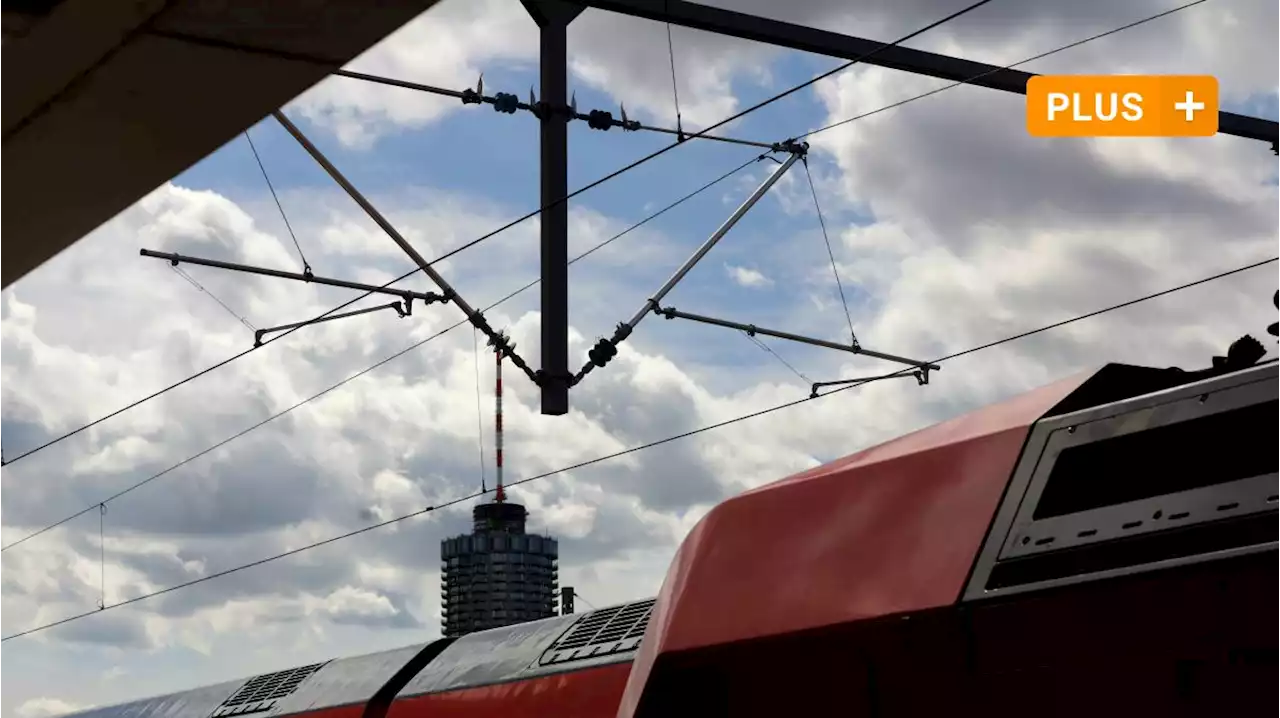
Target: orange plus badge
{"type": "Point", "coordinates": [1122, 106]}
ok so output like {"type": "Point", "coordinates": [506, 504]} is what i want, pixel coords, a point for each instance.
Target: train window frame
{"type": "Point", "coordinates": [1016, 535]}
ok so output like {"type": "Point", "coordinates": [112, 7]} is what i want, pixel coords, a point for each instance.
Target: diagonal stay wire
{"type": "Point", "coordinates": [582, 598]}
{"type": "Point", "coordinates": [214, 297]}
{"type": "Point", "coordinates": [675, 91]}
{"type": "Point", "coordinates": [505, 227]}
{"type": "Point", "coordinates": [306, 266]}
{"type": "Point", "coordinates": [853, 336]}
{"type": "Point", "coordinates": [760, 343]}
{"type": "Point", "coordinates": [633, 449]}
{"type": "Point", "coordinates": [992, 71]}
{"type": "Point", "coordinates": [521, 290]}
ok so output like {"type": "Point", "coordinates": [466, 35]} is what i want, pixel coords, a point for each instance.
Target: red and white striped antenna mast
{"type": "Point", "coordinates": [500, 493]}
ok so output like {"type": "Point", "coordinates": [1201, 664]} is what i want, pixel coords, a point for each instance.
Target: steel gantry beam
{"type": "Point", "coordinates": [832, 44]}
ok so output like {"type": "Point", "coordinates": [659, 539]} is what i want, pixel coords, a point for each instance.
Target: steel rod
{"type": "Point", "coordinates": [487, 99]}
{"type": "Point", "coordinates": [425, 297]}
{"type": "Point", "coordinates": [921, 375]}
{"type": "Point", "coordinates": [652, 302]}
{"type": "Point", "coordinates": [672, 313]}
{"type": "Point", "coordinates": [450, 294]}
{"type": "Point", "coordinates": [717, 138]}
{"type": "Point", "coordinates": [258, 335]}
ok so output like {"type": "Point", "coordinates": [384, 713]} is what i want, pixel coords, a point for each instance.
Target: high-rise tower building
{"type": "Point", "coordinates": [498, 574]}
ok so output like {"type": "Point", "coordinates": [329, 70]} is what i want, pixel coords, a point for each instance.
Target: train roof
{"type": "Point", "coordinates": [500, 655]}
{"type": "Point", "coordinates": [901, 527]}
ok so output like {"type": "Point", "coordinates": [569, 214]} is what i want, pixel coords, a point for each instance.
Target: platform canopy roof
{"type": "Point", "coordinates": [105, 100]}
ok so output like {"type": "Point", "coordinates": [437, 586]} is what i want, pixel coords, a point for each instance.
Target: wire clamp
{"type": "Point", "coordinates": [476, 96]}
{"type": "Point", "coordinates": [790, 145]}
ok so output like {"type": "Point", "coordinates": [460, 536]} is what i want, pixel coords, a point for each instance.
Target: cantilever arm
{"type": "Point", "coordinates": [176, 259]}
{"type": "Point", "coordinates": [605, 349]}
{"type": "Point", "coordinates": [475, 317]}
{"type": "Point", "coordinates": [751, 329]}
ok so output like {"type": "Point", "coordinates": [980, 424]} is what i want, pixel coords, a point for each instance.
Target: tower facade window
{"type": "Point", "coordinates": [497, 575]}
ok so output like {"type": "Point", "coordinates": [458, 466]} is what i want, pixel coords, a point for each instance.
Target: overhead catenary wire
{"type": "Point", "coordinates": [585, 188]}
{"type": "Point", "coordinates": [238, 355]}
{"type": "Point", "coordinates": [570, 196]}
{"type": "Point", "coordinates": [627, 451]}
{"type": "Point", "coordinates": [700, 133]}
{"type": "Point", "coordinates": [306, 266]}
{"type": "Point", "coordinates": [289, 409]}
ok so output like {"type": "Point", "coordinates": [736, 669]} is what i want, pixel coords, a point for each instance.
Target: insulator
{"type": "Point", "coordinates": [600, 120]}
{"type": "Point", "coordinates": [602, 352]}
{"type": "Point", "coordinates": [506, 102]}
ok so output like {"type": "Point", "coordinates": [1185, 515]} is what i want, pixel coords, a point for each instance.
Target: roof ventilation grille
{"type": "Point", "coordinates": [261, 693]}
{"type": "Point", "coordinates": [601, 633]}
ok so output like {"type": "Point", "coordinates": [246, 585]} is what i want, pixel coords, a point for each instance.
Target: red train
{"type": "Point", "coordinates": [1106, 545]}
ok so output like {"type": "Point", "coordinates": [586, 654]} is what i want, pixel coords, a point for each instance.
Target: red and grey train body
{"type": "Point", "coordinates": [1105, 545]}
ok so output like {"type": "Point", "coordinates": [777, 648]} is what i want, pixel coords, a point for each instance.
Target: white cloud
{"type": "Point", "coordinates": [747, 277]}
{"type": "Point", "coordinates": [47, 708]}
{"type": "Point", "coordinates": [967, 231]}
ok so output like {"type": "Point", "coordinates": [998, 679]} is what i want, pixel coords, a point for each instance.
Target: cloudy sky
{"type": "Point", "coordinates": [951, 228]}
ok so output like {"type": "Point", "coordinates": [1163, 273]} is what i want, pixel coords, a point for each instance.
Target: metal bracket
{"type": "Point", "coordinates": [176, 259]}
{"type": "Point", "coordinates": [921, 376]}
{"type": "Point", "coordinates": [606, 349]}
{"type": "Point", "coordinates": [259, 334]}
{"type": "Point", "coordinates": [476, 319]}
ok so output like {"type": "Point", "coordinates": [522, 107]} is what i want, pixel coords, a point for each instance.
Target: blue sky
{"type": "Point", "coordinates": [951, 228]}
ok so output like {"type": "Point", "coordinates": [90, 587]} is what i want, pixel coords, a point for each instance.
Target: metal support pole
{"type": "Point", "coordinates": [402, 310]}
{"type": "Point", "coordinates": [176, 259]}
{"type": "Point", "coordinates": [450, 294]}
{"type": "Point", "coordinates": [752, 330]}
{"type": "Point", "coordinates": [605, 349]}
{"type": "Point", "coordinates": [553, 18]}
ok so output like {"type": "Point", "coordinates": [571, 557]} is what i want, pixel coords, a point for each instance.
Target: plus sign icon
{"type": "Point", "coordinates": [1122, 106]}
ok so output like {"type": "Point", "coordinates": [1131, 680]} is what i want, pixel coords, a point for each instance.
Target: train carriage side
{"type": "Point", "coordinates": [1103, 546]}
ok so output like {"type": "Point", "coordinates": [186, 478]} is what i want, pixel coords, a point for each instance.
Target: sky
{"type": "Point", "coordinates": [950, 228]}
